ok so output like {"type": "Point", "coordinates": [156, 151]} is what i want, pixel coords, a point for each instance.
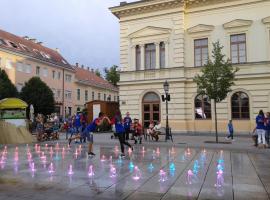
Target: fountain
{"type": "Point", "coordinates": [91, 171]}
{"type": "Point", "coordinates": [143, 150]}
{"type": "Point", "coordinates": [16, 156]}
{"type": "Point", "coordinates": [220, 179]}
{"type": "Point", "coordinates": [112, 171]}
{"type": "Point", "coordinates": [76, 153]}
{"type": "Point", "coordinates": [172, 166]}
{"type": "Point", "coordinates": [116, 149]}
{"type": "Point", "coordinates": [3, 158]}
{"type": "Point", "coordinates": [190, 176]}
{"type": "Point", "coordinates": [103, 158]}
{"type": "Point", "coordinates": [151, 167]}
{"type": "Point", "coordinates": [129, 150]}
{"type": "Point", "coordinates": [162, 176]}
{"type": "Point", "coordinates": [32, 167]}
{"type": "Point", "coordinates": [137, 173]}
{"type": "Point", "coordinates": [157, 151]}
{"type": "Point", "coordinates": [119, 160]}
{"type": "Point", "coordinates": [196, 167]}
{"type": "Point", "coordinates": [70, 170]}
{"type": "Point", "coordinates": [51, 169]}
{"type": "Point", "coordinates": [57, 146]}
{"type": "Point", "coordinates": [131, 166]}
{"type": "Point", "coordinates": [110, 160]}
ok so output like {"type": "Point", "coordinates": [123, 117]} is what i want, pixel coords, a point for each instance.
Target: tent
{"type": "Point", "coordinates": [12, 103]}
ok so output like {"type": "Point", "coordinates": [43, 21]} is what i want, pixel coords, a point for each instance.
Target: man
{"type": "Point", "coordinates": [230, 130]}
{"type": "Point", "coordinates": [127, 124]}
{"type": "Point", "coordinates": [88, 132]}
{"type": "Point", "coordinates": [137, 128]}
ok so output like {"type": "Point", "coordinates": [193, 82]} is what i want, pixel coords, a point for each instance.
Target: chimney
{"type": "Point", "coordinates": [77, 64]}
{"type": "Point", "coordinates": [92, 70]}
{"type": "Point", "coordinates": [40, 43]}
{"type": "Point", "coordinates": [82, 66]}
{"type": "Point", "coordinates": [33, 40]}
{"type": "Point", "coordinates": [26, 37]}
{"type": "Point", "coordinates": [88, 68]}
{"type": "Point", "coordinates": [123, 3]}
{"type": "Point", "coordinates": [57, 50]}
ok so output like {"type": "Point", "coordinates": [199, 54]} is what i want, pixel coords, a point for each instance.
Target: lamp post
{"type": "Point", "coordinates": [166, 98]}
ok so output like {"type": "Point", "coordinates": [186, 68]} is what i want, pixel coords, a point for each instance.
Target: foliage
{"type": "Point", "coordinates": [97, 72]}
{"type": "Point", "coordinates": [112, 75]}
{"type": "Point", "coordinates": [37, 93]}
{"type": "Point", "coordinates": [7, 89]}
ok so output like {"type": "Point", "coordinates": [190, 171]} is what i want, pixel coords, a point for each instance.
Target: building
{"type": "Point", "coordinates": [90, 87]}
{"type": "Point", "coordinates": [171, 39]}
{"type": "Point", "coordinates": [23, 58]}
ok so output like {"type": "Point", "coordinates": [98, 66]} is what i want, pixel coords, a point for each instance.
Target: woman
{"type": "Point", "coordinates": [260, 128]}
{"type": "Point", "coordinates": [137, 129]}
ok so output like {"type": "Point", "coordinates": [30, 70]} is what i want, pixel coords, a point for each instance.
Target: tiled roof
{"type": "Point", "coordinates": [90, 78]}
{"type": "Point", "coordinates": [31, 48]}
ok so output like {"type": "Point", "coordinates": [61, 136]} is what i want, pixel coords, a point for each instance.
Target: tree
{"type": "Point", "coordinates": [216, 78]}
{"type": "Point", "coordinates": [7, 89]}
{"type": "Point", "coordinates": [37, 93]}
{"type": "Point", "coordinates": [112, 75]}
{"type": "Point", "coordinates": [97, 72]}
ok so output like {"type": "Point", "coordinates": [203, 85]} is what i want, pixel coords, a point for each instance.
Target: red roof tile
{"type": "Point", "coordinates": [21, 45]}
{"type": "Point", "coordinates": [91, 78]}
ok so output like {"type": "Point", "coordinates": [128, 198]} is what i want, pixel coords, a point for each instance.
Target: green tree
{"type": "Point", "coordinates": [112, 75]}
{"type": "Point", "coordinates": [97, 72]}
{"type": "Point", "coordinates": [37, 93]}
{"type": "Point", "coordinates": [7, 89]}
{"type": "Point", "coordinates": [216, 78]}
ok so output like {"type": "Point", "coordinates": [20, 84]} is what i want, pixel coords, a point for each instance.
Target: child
{"type": "Point", "coordinates": [230, 130]}
{"type": "Point", "coordinates": [137, 128]}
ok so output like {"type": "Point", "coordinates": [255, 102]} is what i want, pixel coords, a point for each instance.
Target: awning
{"type": "Point", "coordinates": [12, 103]}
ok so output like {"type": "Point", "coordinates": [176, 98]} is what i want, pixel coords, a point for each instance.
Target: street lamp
{"type": "Point", "coordinates": [167, 98]}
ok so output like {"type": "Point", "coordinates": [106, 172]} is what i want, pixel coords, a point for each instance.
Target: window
{"type": "Point", "coordinates": [109, 98]}
{"type": "Point", "coordinates": [19, 66]}
{"type": "Point", "coordinates": [68, 78]}
{"type": "Point", "coordinates": [240, 105]}
{"type": "Point", "coordinates": [58, 94]}
{"type": "Point", "coordinates": [45, 72]}
{"type": "Point", "coordinates": [28, 68]}
{"type": "Point", "coordinates": [98, 96]}
{"type": "Point", "coordinates": [59, 75]}
{"type": "Point", "coordinates": [202, 107]}
{"type": "Point", "coordinates": [150, 56]}
{"type": "Point", "coordinates": [38, 70]}
{"type": "Point", "coordinates": [68, 94]}
{"type": "Point", "coordinates": [162, 54]}
{"type": "Point", "coordinates": [53, 74]}
{"type": "Point", "coordinates": [105, 97]}
{"type": "Point", "coordinates": [86, 95]}
{"type": "Point", "coordinates": [9, 64]}
{"type": "Point", "coordinates": [200, 52]}
{"type": "Point", "coordinates": [93, 96]}
{"type": "Point", "coordinates": [19, 87]}
{"type": "Point", "coordinates": [238, 48]}
{"type": "Point", "coordinates": [78, 94]}
{"type": "Point", "coordinates": [138, 57]}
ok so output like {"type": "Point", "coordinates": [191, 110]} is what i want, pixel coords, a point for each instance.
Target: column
{"type": "Point", "coordinates": [157, 55]}
{"type": "Point", "coordinates": [142, 46]}
{"type": "Point", "coordinates": [133, 57]}
{"type": "Point", "coordinates": [166, 54]}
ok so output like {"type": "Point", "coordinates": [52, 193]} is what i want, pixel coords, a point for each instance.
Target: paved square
{"type": "Point", "coordinates": [56, 171]}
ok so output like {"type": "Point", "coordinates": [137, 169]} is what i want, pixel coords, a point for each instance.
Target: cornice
{"type": "Point", "coordinates": [201, 28]}
{"type": "Point", "coordinates": [144, 6]}
{"type": "Point", "coordinates": [266, 20]}
{"type": "Point", "coordinates": [237, 23]}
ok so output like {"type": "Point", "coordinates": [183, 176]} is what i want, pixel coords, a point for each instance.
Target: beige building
{"type": "Point", "coordinates": [171, 39]}
{"type": "Point", "coordinates": [23, 58]}
{"type": "Point", "coordinates": [89, 87]}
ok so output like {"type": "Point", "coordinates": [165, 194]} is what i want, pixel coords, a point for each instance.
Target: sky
{"type": "Point", "coordinates": [85, 31]}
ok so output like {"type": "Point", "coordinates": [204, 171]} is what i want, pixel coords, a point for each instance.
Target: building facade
{"type": "Point", "coordinates": [172, 39]}
{"type": "Point", "coordinates": [90, 87]}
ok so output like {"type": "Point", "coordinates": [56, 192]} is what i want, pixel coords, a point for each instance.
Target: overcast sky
{"type": "Point", "coordinates": [84, 30]}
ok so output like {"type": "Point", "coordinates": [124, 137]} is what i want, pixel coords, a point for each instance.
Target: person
{"type": "Point", "coordinates": [137, 129]}
{"type": "Point", "coordinates": [83, 126]}
{"type": "Point", "coordinates": [230, 130]}
{"type": "Point", "coordinates": [260, 128]}
{"type": "Point", "coordinates": [127, 125]}
{"type": "Point", "coordinates": [88, 132]}
{"type": "Point", "coordinates": [267, 128]}
{"type": "Point", "coordinates": [120, 131]}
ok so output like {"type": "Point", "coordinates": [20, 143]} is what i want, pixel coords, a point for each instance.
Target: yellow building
{"type": "Point", "coordinates": [171, 39]}
{"type": "Point", "coordinates": [23, 58]}
{"type": "Point", "coordinates": [90, 87]}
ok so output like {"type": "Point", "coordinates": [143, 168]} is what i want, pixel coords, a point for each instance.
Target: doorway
{"type": "Point", "coordinates": [150, 109]}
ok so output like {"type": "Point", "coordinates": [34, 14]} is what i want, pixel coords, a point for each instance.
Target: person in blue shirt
{"type": "Point", "coordinates": [89, 131]}
{"type": "Point", "coordinates": [127, 125]}
{"type": "Point", "coordinates": [230, 130]}
{"type": "Point", "coordinates": [267, 127]}
{"type": "Point", "coordinates": [260, 127]}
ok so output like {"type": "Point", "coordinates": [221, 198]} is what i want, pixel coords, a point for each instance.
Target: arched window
{"type": "Point", "coordinates": [240, 105]}
{"type": "Point", "coordinates": [202, 107]}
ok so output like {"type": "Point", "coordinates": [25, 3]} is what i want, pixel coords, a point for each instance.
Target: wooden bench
{"type": "Point", "coordinates": [161, 131]}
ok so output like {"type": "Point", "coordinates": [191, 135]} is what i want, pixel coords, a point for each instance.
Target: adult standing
{"type": "Point", "coordinates": [267, 127]}
{"type": "Point", "coordinates": [127, 125]}
{"type": "Point", "coordinates": [260, 128]}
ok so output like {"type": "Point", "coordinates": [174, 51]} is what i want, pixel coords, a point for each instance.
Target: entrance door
{"type": "Point", "coordinates": [151, 109]}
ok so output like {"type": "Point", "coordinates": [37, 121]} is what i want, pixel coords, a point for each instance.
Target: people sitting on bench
{"type": "Point", "coordinates": [151, 131]}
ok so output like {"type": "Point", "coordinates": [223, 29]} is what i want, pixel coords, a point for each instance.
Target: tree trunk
{"type": "Point", "coordinates": [215, 110]}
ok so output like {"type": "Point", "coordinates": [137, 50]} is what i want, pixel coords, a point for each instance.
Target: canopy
{"type": "Point", "coordinates": [12, 103]}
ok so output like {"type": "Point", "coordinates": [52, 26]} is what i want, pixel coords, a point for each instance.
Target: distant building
{"type": "Point", "coordinates": [23, 58]}
{"type": "Point", "coordinates": [89, 87]}
{"type": "Point", "coordinates": [172, 39]}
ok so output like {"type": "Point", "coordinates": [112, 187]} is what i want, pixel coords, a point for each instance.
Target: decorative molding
{"type": "Point", "coordinates": [200, 28]}
{"type": "Point", "coordinates": [266, 20]}
{"type": "Point", "coordinates": [150, 31]}
{"type": "Point", "coordinates": [237, 23]}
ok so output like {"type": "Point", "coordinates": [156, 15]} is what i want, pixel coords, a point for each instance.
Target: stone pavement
{"type": "Point", "coordinates": [153, 171]}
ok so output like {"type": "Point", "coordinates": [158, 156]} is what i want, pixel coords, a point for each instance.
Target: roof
{"type": "Point", "coordinates": [12, 103]}
{"type": "Point", "coordinates": [90, 78]}
{"type": "Point", "coordinates": [31, 48]}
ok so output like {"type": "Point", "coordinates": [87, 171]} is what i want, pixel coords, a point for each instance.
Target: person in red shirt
{"type": "Point", "coordinates": [137, 130]}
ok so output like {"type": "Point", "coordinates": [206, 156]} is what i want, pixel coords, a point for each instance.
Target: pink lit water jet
{"type": "Point", "coordinates": [220, 179]}
{"type": "Point", "coordinates": [158, 151]}
{"type": "Point", "coordinates": [162, 176]}
{"type": "Point", "coordinates": [137, 174]}
{"type": "Point", "coordinates": [91, 171]}
{"type": "Point", "coordinates": [112, 171]}
{"type": "Point", "coordinates": [70, 170]}
{"type": "Point", "coordinates": [103, 158]}
{"type": "Point", "coordinates": [51, 168]}
{"type": "Point", "coordinates": [189, 177]}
